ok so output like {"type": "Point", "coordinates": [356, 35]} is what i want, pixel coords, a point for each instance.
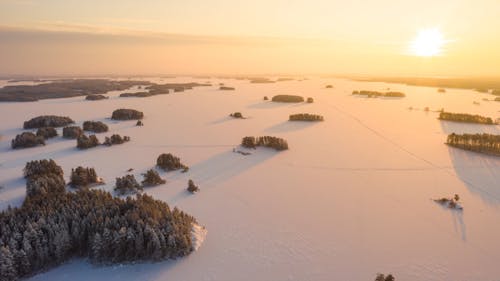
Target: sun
{"type": "Point", "coordinates": [427, 43]}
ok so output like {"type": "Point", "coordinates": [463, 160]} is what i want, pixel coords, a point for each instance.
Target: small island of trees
{"type": "Point", "coordinates": [152, 178]}
{"type": "Point", "coordinates": [483, 143]}
{"type": "Point", "coordinates": [47, 121]}
{"type": "Point", "coordinates": [192, 187]}
{"type": "Point", "coordinates": [53, 226]}
{"type": "Point", "coordinates": [169, 162]}
{"type": "Point", "coordinates": [95, 126]}
{"type": "Point", "coordinates": [27, 139]}
{"type": "Point", "coordinates": [83, 177]}
{"type": "Point", "coordinates": [305, 117]}
{"type": "Point", "coordinates": [85, 142]}
{"type": "Point", "coordinates": [72, 132]}
{"type": "Point", "coordinates": [465, 118]}
{"type": "Point", "coordinates": [47, 132]}
{"type": "Point", "coordinates": [287, 98]}
{"type": "Point", "coordinates": [127, 114]}
{"type": "Point", "coordinates": [115, 139]}
{"type": "Point", "coordinates": [266, 141]}
{"type": "Point", "coordinates": [237, 115]}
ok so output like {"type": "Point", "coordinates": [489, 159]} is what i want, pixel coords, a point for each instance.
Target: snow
{"type": "Point", "coordinates": [352, 196]}
{"type": "Point", "coordinates": [198, 234]}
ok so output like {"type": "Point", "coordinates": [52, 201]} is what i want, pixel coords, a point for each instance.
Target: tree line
{"type": "Point", "coordinates": [484, 143]}
{"type": "Point", "coordinates": [267, 141]}
{"type": "Point", "coordinates": [466, 118]}
{"type": "Point", "coordinates": [305, 117]}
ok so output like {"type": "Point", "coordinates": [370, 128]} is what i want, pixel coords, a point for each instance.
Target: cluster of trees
{"type": "Point", "coordinates": [287, 98]}
{"type": "Point", "coordinates": [379, 94]}
{"type": "Point", "coordinates": [27, 139]}
{"type": "Point", "coordinates": [140, 94]}
{"type": "Point", "coordinates": [329, 86]}
{"type": "Point", "coordinates": [53, 225]}
{"type": "Point", "coordinates": [95, 126]}
{"type": "Point", "coordinates": [152, 178]}
{"type": "Point", "coordinates": [72, 132]}
{"type": "Point", "coordinates": [305, 117]}
{"type": "Point", "coordinates": [115, 139]}
{"type": "Point", "coordinates": [169, 162]}
{"type": "Point", "coordinates": [237, 115]}
{"type": "Point", "coordinates": [47, 121]}
{"type": "Point", "coordinates": [226, 88]}
{"type": "Point", "coordinates": [46, 132]}
{"type": "Point", "coordinates": [267, 141]}
{"type": "Point", "coordinates": [451, 203]}
{"type": "Point", "coordinates": [466, 118]}
{"type": "Point", "coordinates": [484, 143]}
{"type": "Point", "coordinates": [383, 277]}
{"type": "Point", "coordinates": [127, 185]}
{"type": "Point", "coordinates": [96, 97]}
{"type": "Point", "coordinates": [192, 187]}
{"type": "Point", "coordinates": [497, 99]}
{"type": "Point", "coordinates": [82, 177]}
{"type": "Point", "coordinates": [85, 142]}
{"type": "Point", "coordinates": [496, 92]}
{"type": "Point", "coordinates": [127, 114]}
{"type": "Point", "coordinates": [310, 100]}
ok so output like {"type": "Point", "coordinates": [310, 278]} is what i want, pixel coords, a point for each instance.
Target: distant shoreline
{"type": "Point", "coordinates": [479, 84]}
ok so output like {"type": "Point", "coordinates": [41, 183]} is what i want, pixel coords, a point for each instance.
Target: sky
{"type": "Point", "coordinates": [356, 37]}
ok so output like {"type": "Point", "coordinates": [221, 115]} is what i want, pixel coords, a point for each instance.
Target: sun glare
{"type": "Point", "coordinates": [427, 43]}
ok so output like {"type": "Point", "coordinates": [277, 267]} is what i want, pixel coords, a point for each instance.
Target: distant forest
{"type": "Point", "coordinates": [66, 88]}
{"type": "Point", "coordinates": [460, 83]}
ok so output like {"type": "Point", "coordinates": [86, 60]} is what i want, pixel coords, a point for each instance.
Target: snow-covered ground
{"type": "Point", "coordinates": [352, 196]}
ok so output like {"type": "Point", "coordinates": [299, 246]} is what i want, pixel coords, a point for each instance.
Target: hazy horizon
{"type": "Point", "coordinates": [225, 37]}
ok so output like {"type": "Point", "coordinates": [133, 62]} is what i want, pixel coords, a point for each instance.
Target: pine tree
{"type": "Point", "coordinates": [7, 269]}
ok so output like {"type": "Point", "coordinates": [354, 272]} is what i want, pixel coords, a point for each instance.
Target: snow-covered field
{"type": "Point", "coordinates": [352, 196]}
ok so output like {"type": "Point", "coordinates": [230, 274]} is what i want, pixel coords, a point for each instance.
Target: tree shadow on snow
{"type": "Point", "coordinates": [268, 104]}
{"type": "Point", "coordinates": [479, 172]}
{"type": "Point", "coordinates": [224, 166]}
{"type": "Point", "coordinates": [450, 127]}
{"type": "Point", "coordinates": [288, 126]}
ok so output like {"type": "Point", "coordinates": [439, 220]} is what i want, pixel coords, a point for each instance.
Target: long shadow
{"type": "Point", "coordinates": [221, 120]}
{"type": "Point", "coordinates": [54, 154]}
{"type": "Point", "coordinates": [268, 104]}
{"type": "Point", "coordinates": [288, 126]}
{"type": "Point", "coordinates": [223, 166]}
{"type": "Point", "coordinates": [479, 172]}
{"type": "Point", "coordinates": [131, 271]}
{"type": "Point", "coordinates": [468, 128]}
{"type": "Point", "coordinates": [458, 221]}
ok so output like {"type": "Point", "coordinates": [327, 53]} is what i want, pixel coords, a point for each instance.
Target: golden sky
{"type": "Point", "coordinates": [364, 37]}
